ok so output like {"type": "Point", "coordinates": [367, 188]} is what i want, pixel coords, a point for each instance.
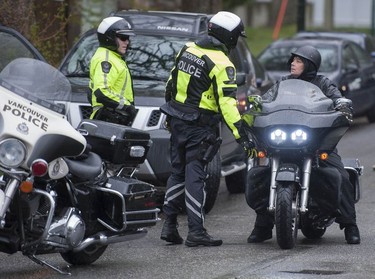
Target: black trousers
{"type": "Point", "coordinates": [346, 206]}
{"type": "Point", "coordinates": [186, 184]}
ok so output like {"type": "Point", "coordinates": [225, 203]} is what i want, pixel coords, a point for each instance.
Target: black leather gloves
{"type": "Point", "coordinates": [248, 146]}
{"type": "Point", "coordinates": [345, 106]}
{"type": "Point", "coordinates": [131, 110]}
{"type": "Point", "coordinates": [245, 143]}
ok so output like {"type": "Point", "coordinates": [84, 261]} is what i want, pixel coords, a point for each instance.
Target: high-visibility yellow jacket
{"type": "Point", "coordinates": [110, 80]}
{"type": "Point", "coordinates": [204, 78]}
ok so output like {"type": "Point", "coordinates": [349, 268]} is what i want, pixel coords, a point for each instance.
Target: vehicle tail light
{"type": "Point", "coordinates": [150, 204]}
{"type": "Point", "coordinates": [241, 102]}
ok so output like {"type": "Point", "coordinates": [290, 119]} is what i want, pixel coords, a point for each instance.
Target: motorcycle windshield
{"type": "Point", "coordinates": [297, 102]}
{"type": "Point", "coordinates": [36, 81]}
{"type": "Point", "coordinates": [296, 105]}
{"type": "Point", "coordinates": [28, 113]}
{"type": "Point", "coordinates": [295, 94]}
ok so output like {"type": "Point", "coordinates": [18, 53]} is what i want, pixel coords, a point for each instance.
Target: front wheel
{"type": "Point", "coordinates": [286, 215]}
{"type": "Point", "coordinates": [86, 256]}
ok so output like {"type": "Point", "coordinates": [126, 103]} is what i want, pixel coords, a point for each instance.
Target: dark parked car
{"type": "Point", "coordinates": [343, 61]}
{"type": "Point", "coordinates": [14, 45]}
{"type": "Point", "coordinates": [366, 41]}
{"type": "Point", "coordinates": [159, 37]}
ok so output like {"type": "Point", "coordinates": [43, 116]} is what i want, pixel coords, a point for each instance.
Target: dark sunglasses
{"type": "Point", "coordinates": [123, 37]}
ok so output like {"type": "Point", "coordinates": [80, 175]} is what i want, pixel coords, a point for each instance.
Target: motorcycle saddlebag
{"type": "Point", "coordinates": [116, 143]}
{"type": "Point", "coordinates": [140, 203]}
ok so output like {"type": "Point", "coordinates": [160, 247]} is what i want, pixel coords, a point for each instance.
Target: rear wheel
{"type": "Point", "coordinates": [309, 230]}
{"type": "Point", "coordinates": [212, 182]}
{"type": "Point", "coordinates": [286, 215]}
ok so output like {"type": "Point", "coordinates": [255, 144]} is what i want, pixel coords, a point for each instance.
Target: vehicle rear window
{"type": "Point", "coordinates": [11, 48]}
{"type": "Point", "coordinates": [276, 58]}
{"type": "Point", "coordinates": [171, 24]}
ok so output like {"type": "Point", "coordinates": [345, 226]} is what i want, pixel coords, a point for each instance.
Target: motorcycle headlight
{"type": "Point", "coordinates": [298, 136]}
{"type": "Point", "coordinates": [12, 153]}
{"type": "Point", "coordinates": [278, 136]}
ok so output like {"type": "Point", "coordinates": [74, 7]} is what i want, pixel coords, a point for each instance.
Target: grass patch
{"type": "Point", "coordinates": [260, 38]}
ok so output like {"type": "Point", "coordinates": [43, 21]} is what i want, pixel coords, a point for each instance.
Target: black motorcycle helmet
{"type": "Point", "coordinates": [226, 27]}
{"type": "Point", "coordinates": [110, 28]}
{"type": "Point", "coordinates": [308, 52]}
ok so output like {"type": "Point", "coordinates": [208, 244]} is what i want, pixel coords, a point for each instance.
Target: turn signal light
{"type": "Point", "coordinates": [261, 154]}
{"type": "Point", "coordinates": [323, 156]}
{"type": "Point", "coordinates": [26, 187]}
{"type": "Point", "coordinates": [39, 167]}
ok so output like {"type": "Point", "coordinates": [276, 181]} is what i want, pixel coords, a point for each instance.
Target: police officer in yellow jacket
{"type": "Point", "coordinates": [200, 92]}
{"type": "Point", "coordinates": [111, 86]}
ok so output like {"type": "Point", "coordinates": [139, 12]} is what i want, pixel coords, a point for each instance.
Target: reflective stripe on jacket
{"type": "Point", "coordinates": [110, 75]}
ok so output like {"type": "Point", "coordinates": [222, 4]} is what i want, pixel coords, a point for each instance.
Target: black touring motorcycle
{"type": "Point", "coordinates": [56, 196]}
{"type": "Point", "coordinates": [294, 133]}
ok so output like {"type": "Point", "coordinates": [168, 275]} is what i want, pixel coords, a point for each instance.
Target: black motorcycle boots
{"type": "Point", "coordinates": [262, 229]}
{"type": "Point", "coordinates": [201, 238]}
{"type": "Point", "coordinates": [352, 234]}
{"type": "Point", "coordinates": [260, 234]}
{"type": "Point", "coordinates": [169, 231]}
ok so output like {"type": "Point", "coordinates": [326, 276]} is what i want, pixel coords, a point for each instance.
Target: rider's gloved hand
{"type": "Point", "coordinates": [131, 110]}
{"type": "Point", "coordinates": [247, 145]}
{"type": "Point", "coordinates": [345, 106]}
{"type": "Point", "coordinates": [255, 102]}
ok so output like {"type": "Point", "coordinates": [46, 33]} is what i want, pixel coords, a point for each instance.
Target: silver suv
{"type": "Point", "coordinates": [159, 37]}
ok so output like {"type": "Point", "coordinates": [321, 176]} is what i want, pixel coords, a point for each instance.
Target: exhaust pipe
{"type": "Point", "coordinates": [105, 238]}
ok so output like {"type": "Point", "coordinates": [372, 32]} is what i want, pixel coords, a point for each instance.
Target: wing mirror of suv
{"type": "Point", "coordinates": [241, 78]}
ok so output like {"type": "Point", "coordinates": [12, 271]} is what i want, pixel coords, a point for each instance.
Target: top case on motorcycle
{"type": "Point", "coordinates": [116, 143]}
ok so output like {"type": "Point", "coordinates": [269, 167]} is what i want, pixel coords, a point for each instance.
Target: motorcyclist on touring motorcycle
{"type": "Point", "coordinates": [304, 64]}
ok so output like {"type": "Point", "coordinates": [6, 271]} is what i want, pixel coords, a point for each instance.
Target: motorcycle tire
{"type": "Point", "coordinates": [286, 215]}
{"type": "Point", "coordinates": [309, 231]}
{"type": "Point", "coordinates": [212, 182]}
{"type": "Point", "coordinates": [86, 256]}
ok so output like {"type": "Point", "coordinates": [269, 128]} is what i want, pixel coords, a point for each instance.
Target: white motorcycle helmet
{"type": "Point", "coordinates": [226, 27]}
{"type": "Point", "coordinates": [110, 28]}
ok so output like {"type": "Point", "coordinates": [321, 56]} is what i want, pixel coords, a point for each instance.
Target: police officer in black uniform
{"type": "Point", "coordinates": [200, 92]}
{"type": "Point", "coordinates": [304, 64]}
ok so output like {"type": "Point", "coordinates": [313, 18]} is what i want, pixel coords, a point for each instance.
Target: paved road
{"type": "Point", "coordinates": [232, 220]}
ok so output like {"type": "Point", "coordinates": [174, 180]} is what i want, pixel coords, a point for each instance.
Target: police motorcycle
{"type": "Point", "coordinates": [294, 133]}
{"type": "Point", "coordinates": [55, 194]}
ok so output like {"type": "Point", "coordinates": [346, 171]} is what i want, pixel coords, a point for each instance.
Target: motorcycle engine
{"type": "Point", "coordinates": [68, 229]}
